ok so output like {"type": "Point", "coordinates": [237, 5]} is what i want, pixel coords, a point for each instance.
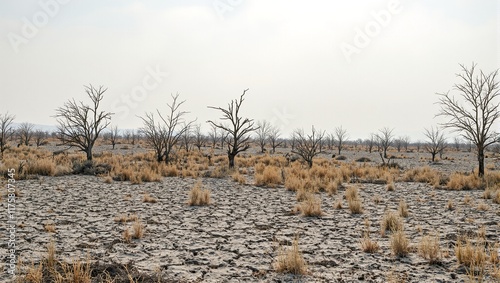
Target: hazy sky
{"type": "Point", "coordinates": [360, 64]}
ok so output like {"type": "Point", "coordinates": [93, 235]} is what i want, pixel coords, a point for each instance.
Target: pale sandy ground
{"type": "Point", "coordinates": [234, 239]}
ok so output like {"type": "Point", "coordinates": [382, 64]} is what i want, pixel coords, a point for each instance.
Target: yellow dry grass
{"type": "Point", "coordinates": [199, 196]}
{"type": "Point", "coordinates": [290, 260]}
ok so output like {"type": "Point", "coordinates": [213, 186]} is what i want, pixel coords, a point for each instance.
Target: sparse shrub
{"type": "Point", "coordinates": [290, 260]}
{"type": "Point", "coordinates": [422, 175]}
{"type": "Point", "coordinates": [459, 181]}
{"type": "Point", "coordinates": [270, 177]}
{"type": "Point", "coordinates": [127, 236]}
{"type": "Point", "coordinates": [45, 167]}
{"type": "Point", "coordinates": [429, 248]}
{"type": "Point", "coordinates": [377, 199]}
{"type": "Point", "coordinates": [199, 196]}
{"type": "Point", "coordinates": [467, 199]}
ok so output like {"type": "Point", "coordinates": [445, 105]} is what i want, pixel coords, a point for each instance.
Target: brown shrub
{"type": "Point", "coordinates": [199, 196]}
{"type": "Point", "coordinates": [290, 260]}
{"type": "Point", "coordinates": [270, 176]}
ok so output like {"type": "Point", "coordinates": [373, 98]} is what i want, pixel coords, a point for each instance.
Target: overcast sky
{"type": "Point", "coordinates": [360, 64]}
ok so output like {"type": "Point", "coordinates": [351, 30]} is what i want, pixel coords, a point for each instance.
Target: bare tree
{"type": "Point", "coordinates": [477, 110]}
{"type": "Point", "coordinates": [262, 134]}
{"type": "Point", "coordinates": [214, 136]}
{"type": "Point", "coordinates": [40, 137]}
{"type": "Point", "coordinates": [165, 136]}
{"type": "Point", "coordinates": [457, 142]}
{"type": "Point", "coordinates": [406, 142]}
{"type": "Point", "coordinates": [186, 137]}
{"type": "Point", "coordinates": [398, 143]}
{"type": "Point", "coordinates": [154, 133]}
{"type": "Point", "coordinates": [274, 138]}
{"type": "Point", "coordinates": [25, 133]}
{"type": "Point", "coordinates": [79, 124]}
{"type": "Point", "coordinates": [385, 139]}
{"type": "Point", "coordinates": [199, 138]}
{"type": "Point", "coordinates": [307, 146]}
{"type": "Point", "coordinates": [370, 142]}
{"type": "Point", "coordinates": [6, 131]}
{"type": "Point", "coordinates": [113, 135]}
{"type": "Point", "coordinates": [436, 142]}
{"type": "Point", "coordinates": [239, 129]}
{"type": "Point", "coordinates": [340, 137]}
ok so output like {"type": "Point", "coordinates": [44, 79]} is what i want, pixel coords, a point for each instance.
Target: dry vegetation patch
{"type": "Point", "coordinates": [199, 196]}
{"type": "Point", "coordinates": [290, 260]}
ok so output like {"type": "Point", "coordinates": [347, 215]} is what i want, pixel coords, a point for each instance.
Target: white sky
{"type": "Point", "coordinates": [288, 53]}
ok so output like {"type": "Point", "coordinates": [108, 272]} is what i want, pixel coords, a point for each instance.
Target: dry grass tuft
{"type": "Point", "coordinates": [403, 208]}
{"type": "Point", "coordinates": [429, 248]}
{"type": "Point", "coordinates": [138, 230]}
{"type": "Point", "coordinates": [148, 198]}
{"type": "Point", "coordinates": [355, 206]}
{"type": "Point", "coordinates": [199, 196]}
{"type": "Point", "coordinates": [483, 206]}
{"type": "Point", "coordinates": [291, 260]}
{"type": "Point", "coordinates": [310, 206]}
{"type": "Point", "coordinates": [390, 187]}
{"type": "Point", "coordinates": [469, 254]}
{"type": "Point", "coordinates": [400, 245]}
{"type": "Point", "coordinates": [50, 228]}
{"type": "Point", "coordinates": [390, 222]}
{"type": "Point", "coordinates": [423, 175]}
{"type": "Point", "coordinates": [338, 203]}
{"type": "Point", "coordinates": [450, 205]}
{"type": "Point", "coordinates": [127, 236]}
{"type": "Point", "coordinates": [239, 178]}
{"type": "Point", "coordinates": [368, 245]}
{"type": "Point", "coordinates": [352, 193]}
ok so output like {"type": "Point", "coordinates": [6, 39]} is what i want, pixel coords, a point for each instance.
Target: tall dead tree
{"type": "Point", "coordinates": [80, 124]}
{"type": "Point", "coordinates": [238, 130]}
{"type": "Point", "coordinates": [436, 143]}
{"type": "Point", "coordinates": [307, 146]}
{"type": "Point", "coordinates": [199, 138]}
{"type": "Point", "coordinates": [6, 131]}
{"type": "Point", "coordinates": [40, 137]}
{"type": "Point", "coordinates": [475, 111]}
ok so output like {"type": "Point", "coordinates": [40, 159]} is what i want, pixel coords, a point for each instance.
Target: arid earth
{"type": "Point", "coordinates": [235, 239]}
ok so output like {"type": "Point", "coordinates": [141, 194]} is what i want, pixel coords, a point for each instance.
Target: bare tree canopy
{"type": "Point", "coordinates": [154, 133]}
{"type": "Point", "coordinates": [25, 132]}
{"type": "Point", "coordinates": [436, 143]}
{"type": "Point", "coordinates": [307, 146]}
{"type": "Point", "coordinates": [340, 138]}
{"type": "Point", "coordinates": [385, 139]}
{"type": "Point", "coordinates": [199, 138]}
{"type": "Point", "coordinates": [6, 131]}
{"type": "Point", "coordinates": [113, 135]}
{"type": "Point", "coordinates": [163, 137]}
{"type": "Point", "coordinates": [274, 138]}
{"type": "Point", "coordinates": [475, 111]}
{"type": "Point", "coordinates": [263, 134]}
{"type": "Point", "coordinates": [79, 124]}
{"type": "Point", "coordinates": [238, 130]}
